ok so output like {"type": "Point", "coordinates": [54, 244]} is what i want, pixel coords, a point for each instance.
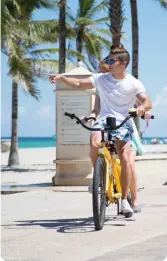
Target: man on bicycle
{"type": "Point", "coordinates": [118, 92]}
{"type": "Point", "coordinates": [95, 113]}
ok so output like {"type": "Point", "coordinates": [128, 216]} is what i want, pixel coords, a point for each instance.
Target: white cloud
{"type": "Point", "coordinates": [45, 112]}
{"type": "Point", "coordinates": [160, 99]}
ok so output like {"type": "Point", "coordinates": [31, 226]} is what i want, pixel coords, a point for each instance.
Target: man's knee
{"type": "Point", "coordinates": [123, 150]}
{"type": "Point", "coordinates": [95, 139]}
{"type": "Point", "coordinates": [124, 157]}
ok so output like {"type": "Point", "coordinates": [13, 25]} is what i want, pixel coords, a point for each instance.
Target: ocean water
{"type": "Point", "coordinates": [44, 142]}
{"type": "Point", "coordinates": [161, 140]}
{"type": "Point", "coordinates": [35, 142]}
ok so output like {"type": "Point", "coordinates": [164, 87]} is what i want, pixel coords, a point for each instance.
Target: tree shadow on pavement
{"type": "Point", "coordinates": [72, 225]}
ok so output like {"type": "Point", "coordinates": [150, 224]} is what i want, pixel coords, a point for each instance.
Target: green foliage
{"type": "Point", "coordinates": [163, 3]}
{"type": "Point", "coordinates": [20, 36]}
{"type": "Point", "coordinates": [90, 40]}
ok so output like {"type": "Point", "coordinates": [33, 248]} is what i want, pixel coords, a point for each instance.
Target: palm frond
{"type": "Point", "coordinates": [21, 70]}
{"type": "Point", "coordinates": [70, 18]}
{"type": "Point", "coordinates": [103, 19]}
{"type": "Point", "coordinates": [42, 66]}
{"type": "Point", "coordinates": [48, 51]}
{"type": "Point", "coordinates": [92, 46]}
{"type": "Point", "coordinates": [75, 54]}
{"type": "Point", "coordinates": [105, 31]}
{"type": "Point", "coordinates": [44, 51]}
{"type": "Point", "coordinates": [163, 3]}
{"type": "Point", "coordinates": [95, 44]}
{"type": "Point", "coordinates": [84, 7]}
{"type": "Point", "coordinates": [102, 40]}
{"type": "Point", "coordinates": [38, 31]}
{"type": "Point", "coordinates": [96, 9]}
{"type": "Point", "coordinates": [22, 9]}
{"type": "Point", "coordinates": [83, 21]}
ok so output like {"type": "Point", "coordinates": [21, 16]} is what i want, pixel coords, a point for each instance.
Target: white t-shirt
{"type": "Point", "coordinates": [116, 96]}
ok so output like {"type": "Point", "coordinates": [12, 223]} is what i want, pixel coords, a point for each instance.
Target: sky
{"type": "Point", "coordinates": [37, 118]}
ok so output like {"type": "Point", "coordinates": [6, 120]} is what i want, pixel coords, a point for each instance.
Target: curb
{"type": "Point", "coordinates": [19, 189]}
{"type": "Point", "coordinates": [73, 189]}
{"type": "Point", "coordinates": [149, 158]}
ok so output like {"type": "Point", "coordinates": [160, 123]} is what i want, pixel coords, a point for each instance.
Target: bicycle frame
{"type": "Point", "coordinates": [112, 173]}
{"type": "Point", "coordinates": [112, 165]}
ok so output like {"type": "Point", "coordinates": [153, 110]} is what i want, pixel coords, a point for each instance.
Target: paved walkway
{"type": "Point", "coordinates": [46, 225]}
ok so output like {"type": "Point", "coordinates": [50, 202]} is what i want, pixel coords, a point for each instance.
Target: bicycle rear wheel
{"type": "Point", "coordinates": [99, 194]}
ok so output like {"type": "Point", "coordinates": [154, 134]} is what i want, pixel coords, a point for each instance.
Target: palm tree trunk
{"type": "Point", "coordinates": [116, 13]}
{"type": "Point", "coordinates": [62, 36]}
{"type": "Point", "coordinates": [79, 43]}
{"type": "Point", "coordinates": [135, 47]}
{"type": "Point", "coordinates": [135, 38]}
{"type": "Point", "coordinates": [13, 156]}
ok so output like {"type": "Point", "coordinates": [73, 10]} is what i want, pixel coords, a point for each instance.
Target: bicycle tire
{"type": "Point", "coordinates": [99, 181]}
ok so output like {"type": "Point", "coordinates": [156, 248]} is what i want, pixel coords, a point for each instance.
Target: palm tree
{"type": "Point", "coordinates": [18, 37]}
{"type": "Point", "coordinates": [62, 35]}
{"type": "Point", "coordinates": [90, 38]}
{"type": "Point", "coordinates": [84, 29]}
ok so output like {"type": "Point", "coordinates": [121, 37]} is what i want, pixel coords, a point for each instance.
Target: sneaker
{"type": "Point", "coordinates": [136, 209]}
{"type": "Point", "coordinates": [126, 208]}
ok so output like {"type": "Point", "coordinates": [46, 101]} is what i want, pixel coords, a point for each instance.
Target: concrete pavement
{"type": "Point", "coordinates": [49, 225]}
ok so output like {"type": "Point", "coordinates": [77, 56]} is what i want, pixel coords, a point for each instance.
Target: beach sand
{"type": "Point", "coordinates": [32, 156]}
{"type": "Point", "coordinates": [45, 156]}
{"type": "Point", "coordinates": [42, 157]}
{"type": "Point", "coordinates": [37, 167]}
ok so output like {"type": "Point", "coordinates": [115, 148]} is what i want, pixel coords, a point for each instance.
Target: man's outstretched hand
{"type": "Point", "coordinates": [54, 78]}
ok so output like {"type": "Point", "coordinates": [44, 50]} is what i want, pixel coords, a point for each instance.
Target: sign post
{"type": "Point", "coordinates": [73, 166]}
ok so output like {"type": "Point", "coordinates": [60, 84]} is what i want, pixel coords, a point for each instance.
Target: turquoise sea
{"type": "Point", "coordinates": [44, 142]}
{"type": "Point", "coordinates": [35, 142]}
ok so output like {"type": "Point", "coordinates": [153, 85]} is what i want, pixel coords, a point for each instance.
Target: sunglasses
{"type": "Point", "coordinates": [109, 61]}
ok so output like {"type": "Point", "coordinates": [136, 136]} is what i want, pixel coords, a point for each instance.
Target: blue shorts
{"type": "Point", "coordinates": [123, 133]}
{"type": "Point", "coordinates": [127, 132]}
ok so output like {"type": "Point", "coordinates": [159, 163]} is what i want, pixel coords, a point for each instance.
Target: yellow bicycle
{"type": "Point", "coordinates": [106, 176]}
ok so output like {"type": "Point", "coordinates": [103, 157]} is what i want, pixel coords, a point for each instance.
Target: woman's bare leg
{"type": "Point", "coordinates": [133, 182]}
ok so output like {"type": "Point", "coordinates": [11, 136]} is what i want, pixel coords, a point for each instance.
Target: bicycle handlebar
{"type": "Point", "coordinates": [73, 116]}
{"type": "Point", "coordinates": [131, 114]}
{"type": "Point", "coordinates": [151, 117]}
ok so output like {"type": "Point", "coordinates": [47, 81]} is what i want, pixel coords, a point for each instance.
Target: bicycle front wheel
{"type": "Point", "coordinates": [99, 194]}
